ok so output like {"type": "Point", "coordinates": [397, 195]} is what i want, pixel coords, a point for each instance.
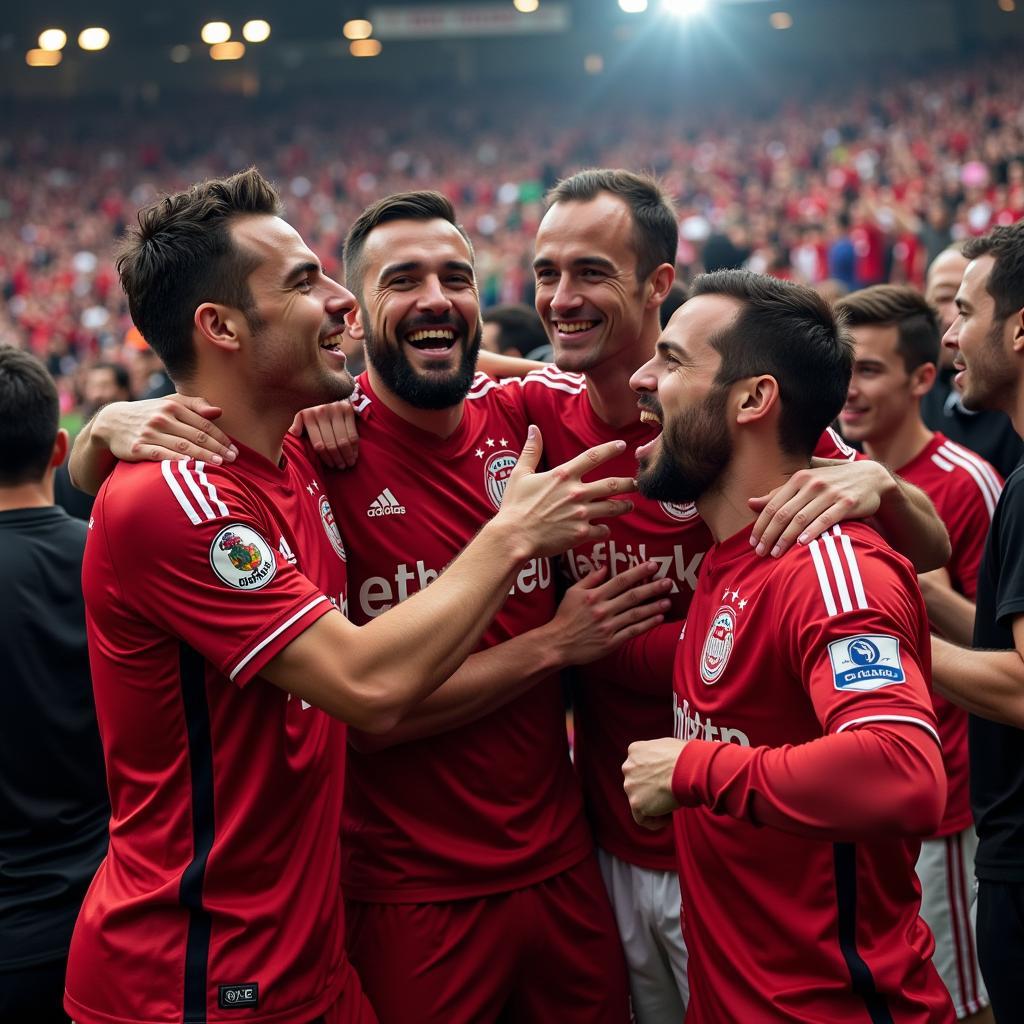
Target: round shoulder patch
{"type": "Point", "coordinates": [241, 558]}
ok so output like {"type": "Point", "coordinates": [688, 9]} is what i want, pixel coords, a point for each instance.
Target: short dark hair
{"type": "Point", "coordinates": [31, 417]}
{"type": "Point", "coordinates": [121, 378]}
{"type": "Point", "coordinates": [919, 339]}
{"type": "Point", "coordinates": [655, 228]}
{"type": "Point", "coordinates": [422, 205]}
{"type": "Point", "coordinates": [1005, 244]}
{"type": "Point", "coordinates": [790, 332]}
{"type": "Point", "coordinates": [182, 255]}
{"type": "Point", "coordinates": [521, 328]}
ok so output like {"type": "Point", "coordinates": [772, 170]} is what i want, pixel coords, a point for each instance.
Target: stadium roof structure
{"type": "Point", "coordinates": [157, 48]}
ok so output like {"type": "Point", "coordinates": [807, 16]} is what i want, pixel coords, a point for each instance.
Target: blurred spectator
{"type": "Point", "coordinates": [53, 798]}
{"type": "Point", "coordinates": [514, 329]}
{"type": "Point", "coordinates": [675, 298]}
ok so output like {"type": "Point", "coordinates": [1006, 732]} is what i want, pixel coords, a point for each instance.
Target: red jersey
{"type": "Point", "coordinates": [964, 489]}
{"type": "Point", "coordinates": [616, 700]}
{"type": "Point", "coordinates": [783, 651]}
{"type": "Point", "coordinates": [218, 898]}
{"type": "Point", "coordinates": [831, 446]}
{"type": "Point", "coordinates": [492, 805]}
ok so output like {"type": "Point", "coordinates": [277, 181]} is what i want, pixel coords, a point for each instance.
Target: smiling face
{"type": "Point", "coordinates": [297, 317]}
{"type": "Point", "coordinates": [587, 293]}
{"type": "Point", "coordinates": [420, 311]}
{"type": "Point", "coordinates": [677, 388]}
{"type": "Point", "coordinates": [981, 344]}
{"type": "Point", "coordinates": [882, 396]}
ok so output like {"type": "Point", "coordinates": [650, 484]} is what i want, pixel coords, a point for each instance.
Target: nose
{"type": "Point", "coordinates": [644, 379]}
{"type": "Point", "coordinates": [566, 297]}
{"type": "Point", "coordinates": [340, 301]}
{"type": "Point", "coordinates": [951, 339]}
{"type": "Point", "coordinates": [432, 297]}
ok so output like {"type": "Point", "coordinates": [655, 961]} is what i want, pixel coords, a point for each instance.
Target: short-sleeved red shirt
{"type": "Point", "coordinates": [492, 805]}
{"type": "Point", "coordinates": [827, 637]}
{"type": "Point", "coordinates": [964, 489]}
{"type": "Point", "coordinates": [218, 899]}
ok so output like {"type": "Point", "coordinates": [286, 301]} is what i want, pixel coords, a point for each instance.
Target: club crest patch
{"type": "Point", "coordinates": [718, 645]}
{"type": "Point", "coordinates": [680, 512]}
{"type": "Point", "coordinates": [331, 527]}
{"type": "Point", "coordinates": [497, 469]}
{"type": "Point", "coordinates": [241, 558]}
{"type": "Point", "coordinates": [866, 662]}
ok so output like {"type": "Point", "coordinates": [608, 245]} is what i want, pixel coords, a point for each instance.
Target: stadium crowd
{"type": "Point", "coordinates": [861, 187]}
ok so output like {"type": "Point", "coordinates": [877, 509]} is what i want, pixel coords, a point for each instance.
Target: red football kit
{"type": "Point", "coordinates": [964, 489]}
{"type": "Point", "coordinates": [218, 899]}
{"type": "Point", "coordinates": [798, 908]}
{"type": "Point", "coordinates": [624, 697]}
{"type": "Point", "coordinates": [482, 809]}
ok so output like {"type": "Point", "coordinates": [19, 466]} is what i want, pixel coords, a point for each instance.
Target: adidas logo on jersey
{"type": "Point", "coordinates": [385, 504]}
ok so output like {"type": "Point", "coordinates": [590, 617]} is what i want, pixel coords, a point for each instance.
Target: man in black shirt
{"type": "Point", "coordinates": [988, 340]}
{"type": "Point", "coordinates": [53, 798]}
{"type": "Point", "coordinates": [988, 432]}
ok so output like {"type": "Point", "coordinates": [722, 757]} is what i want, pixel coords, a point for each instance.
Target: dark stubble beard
{"type": "Point", "coordinates": [694, 452]}
{"type": "Point", "coordinates": [437, 388]}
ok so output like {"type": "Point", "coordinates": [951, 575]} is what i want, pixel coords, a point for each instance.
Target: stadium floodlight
{"type": "Point", "coordinates": [43, 58]}
{"type": "Point", "coordinates": [256, 31]}
{"type": "Point", "coordinates": [232, 50]}
{"type": "Point", "coordinates": [214, 32]}
{"type": "Point", "coordinates": [93, 38]}
{"type": "Point", "coordinates": [526, 6]}
{"type": "Point", "coordinates": [684, 8]}
{"type": "Point", "coordinates": [358, 28]}
{"type": "Point", "coordinates": [364, 47]}
{"type": "Point", "coordinates": [633, 6]}
{"type": "Point", "coordinates": [52, 39]}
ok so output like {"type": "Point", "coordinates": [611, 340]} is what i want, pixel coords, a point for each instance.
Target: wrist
{"type": "Point", "coordinates": [511, 544]}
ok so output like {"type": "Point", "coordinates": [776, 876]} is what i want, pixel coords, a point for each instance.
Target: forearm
{"type": "Point", "coordinates": [496, 365]}
{"type": "Point", "coordinates": [949, 613]}
{"type": "Point", "coordinates": [909, 522]}
{"type": "Point", "coordinates": [484, 682]}
{"type": "Point", "coordinates": [882, 781]}
{"type": "Point", "coordinates": [986, 683]}
{"type": "Point", "coordinates": [91, 460]}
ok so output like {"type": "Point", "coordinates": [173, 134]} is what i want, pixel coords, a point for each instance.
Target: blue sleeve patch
{"type": "Point", "coordinates": [866, 662]}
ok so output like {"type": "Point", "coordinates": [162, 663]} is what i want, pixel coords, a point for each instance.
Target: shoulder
{"type": "Point", "coordinates": [550, 378]}
{"type": "Point", "coordinates": [966, 471]}
{"type": "Point", "coordinates": [848, 567]}
{"type": "Point", "coordinates": [173, 496]}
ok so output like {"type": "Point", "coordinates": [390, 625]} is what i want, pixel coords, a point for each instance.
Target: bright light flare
{"type": "Point", "coordinates": [781, 20]}
{"type": "Point", "coordinates": [526, 6]}
{"type": "Point", "coordinates": [364, 47]}
{"type": "Point", "coordinates": [43, 58]}
{"type": "Point", "coordinates": [53, 39]}
{"type": "Point", "coordinates": [93, 38]}
{"type": "Point", "coordinates": [684, 8]}
{"type": "Point", "coordinates": [633, 6]}
{"type": "Point", "coordinates": [214, 32]}
{"type": "Point", "coordinates": [233, 50]}
{"type": "Point", "coordinates": [358, 28]}
{"type": "Point", "coordinates": [256, 31]}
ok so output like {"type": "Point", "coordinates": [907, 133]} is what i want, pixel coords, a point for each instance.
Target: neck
{"type": "Point", "coordinates": [902, 445]}
{"type": "Point", "coordinates": [36, 494]}
{"type": "Point", "coordinates": [252, 420]}
{"type": "Point", "coordinates": [611, 397]}
{"type": "Point", "coordinates": [440, 422]}
{"type": "Point", "coordinates": [753, 471]}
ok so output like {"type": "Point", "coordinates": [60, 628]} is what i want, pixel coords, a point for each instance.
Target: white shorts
{"type": "Point", "coordinates": [946, 871]}
{"type": "Point", "coordinates": [646, 907]}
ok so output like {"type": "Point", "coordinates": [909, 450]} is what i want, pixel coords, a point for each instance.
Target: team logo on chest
{"type": "Point", "coordinates": [498, 466]}
{"type": "Point", "coordinates": [681, 513]}
{"type": "Point", "coordinates": [718, 645]}
{"type": "Point", "coordinates": [331, 527]}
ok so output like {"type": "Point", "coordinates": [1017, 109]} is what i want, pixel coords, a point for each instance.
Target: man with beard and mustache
{"type": "Point", "coordinates": [214, 596]}
{"type": "Point", "coordinates": [805, 762]}
{"type": "Point", "coordinates": [987, 340]}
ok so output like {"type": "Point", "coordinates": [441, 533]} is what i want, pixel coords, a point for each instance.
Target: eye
{"type": "Point", "coordinates": [305, 285]}
{"type": "Point", "coordinates": [546, 274]}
